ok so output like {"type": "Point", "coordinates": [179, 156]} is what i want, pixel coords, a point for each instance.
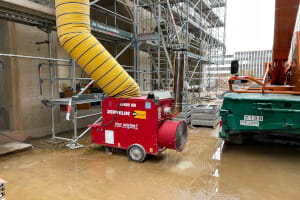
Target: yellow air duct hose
{"type": "Point", "coordinates": [74, 33]}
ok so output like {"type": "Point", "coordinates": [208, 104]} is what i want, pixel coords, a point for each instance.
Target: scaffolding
{"type": "Point", "coordinates": [155, 32]}
{"type": "Point", "coordinates": [195, 28]}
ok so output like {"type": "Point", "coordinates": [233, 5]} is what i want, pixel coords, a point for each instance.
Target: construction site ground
{"type": "Point", "coordinates": [206, 169]}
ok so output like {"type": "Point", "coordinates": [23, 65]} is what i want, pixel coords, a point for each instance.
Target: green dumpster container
{"type": "Point", "coordinates": [250, 113]}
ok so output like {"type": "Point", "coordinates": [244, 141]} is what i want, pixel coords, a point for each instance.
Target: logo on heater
{"type": "Point", "coordinates": [140, 114]}
{"type": "Point", "coordinates": [113, 112]}
{"type": "Point", "coordinates": [126, 126]}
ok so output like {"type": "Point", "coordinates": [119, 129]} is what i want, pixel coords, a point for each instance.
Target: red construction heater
{"type": "Point", "coordinates": [141, 125]}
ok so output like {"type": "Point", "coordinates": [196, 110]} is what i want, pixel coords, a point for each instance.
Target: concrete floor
{"type": "Point", "coordinates": [206, 169]}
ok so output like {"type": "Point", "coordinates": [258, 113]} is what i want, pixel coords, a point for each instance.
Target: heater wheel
{"type": "Point", "coordinates": [136, 153]}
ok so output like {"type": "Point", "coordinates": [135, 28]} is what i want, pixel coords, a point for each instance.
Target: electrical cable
{"type": "Point", "coordinates": [116, 115]}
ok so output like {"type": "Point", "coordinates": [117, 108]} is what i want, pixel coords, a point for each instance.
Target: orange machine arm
{"type": "Point", "coordinates": [281, 77]}
{"type": "Point", "coordinates": [266, 87]}
{"type": "Point", "coordinates": [285, 17]}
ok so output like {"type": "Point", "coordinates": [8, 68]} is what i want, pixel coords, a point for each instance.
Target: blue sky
{"type": "Point", "coordinates": [250, 25]}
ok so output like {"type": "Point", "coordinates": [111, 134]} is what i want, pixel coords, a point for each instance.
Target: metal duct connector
{"type": "Point", "coordinates": [178, 80]}
{"type": "Point", "coordinates": [73, 28]}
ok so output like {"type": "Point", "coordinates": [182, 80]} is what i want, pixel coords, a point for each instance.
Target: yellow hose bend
{"type": "Point", "coordinates": [74, 33]}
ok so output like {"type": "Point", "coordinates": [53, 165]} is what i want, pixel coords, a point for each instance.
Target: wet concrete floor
{"type": "Point", "coordinates": [206, 169]}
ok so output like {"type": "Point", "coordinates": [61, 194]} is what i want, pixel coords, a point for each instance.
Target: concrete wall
{"type": "Point", "coordinates": [21, 108]}
{"type": "Point", "coordinates": [5, 81]}
{"type": "Point", "coordinates": [35, 115]}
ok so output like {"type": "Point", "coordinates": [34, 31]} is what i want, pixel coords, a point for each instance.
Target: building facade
{"type": "Point", "coordinates": [252, 63]}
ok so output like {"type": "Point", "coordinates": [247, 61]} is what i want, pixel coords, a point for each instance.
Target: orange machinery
{"type": "Point", "coordinates": [281, 76]}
